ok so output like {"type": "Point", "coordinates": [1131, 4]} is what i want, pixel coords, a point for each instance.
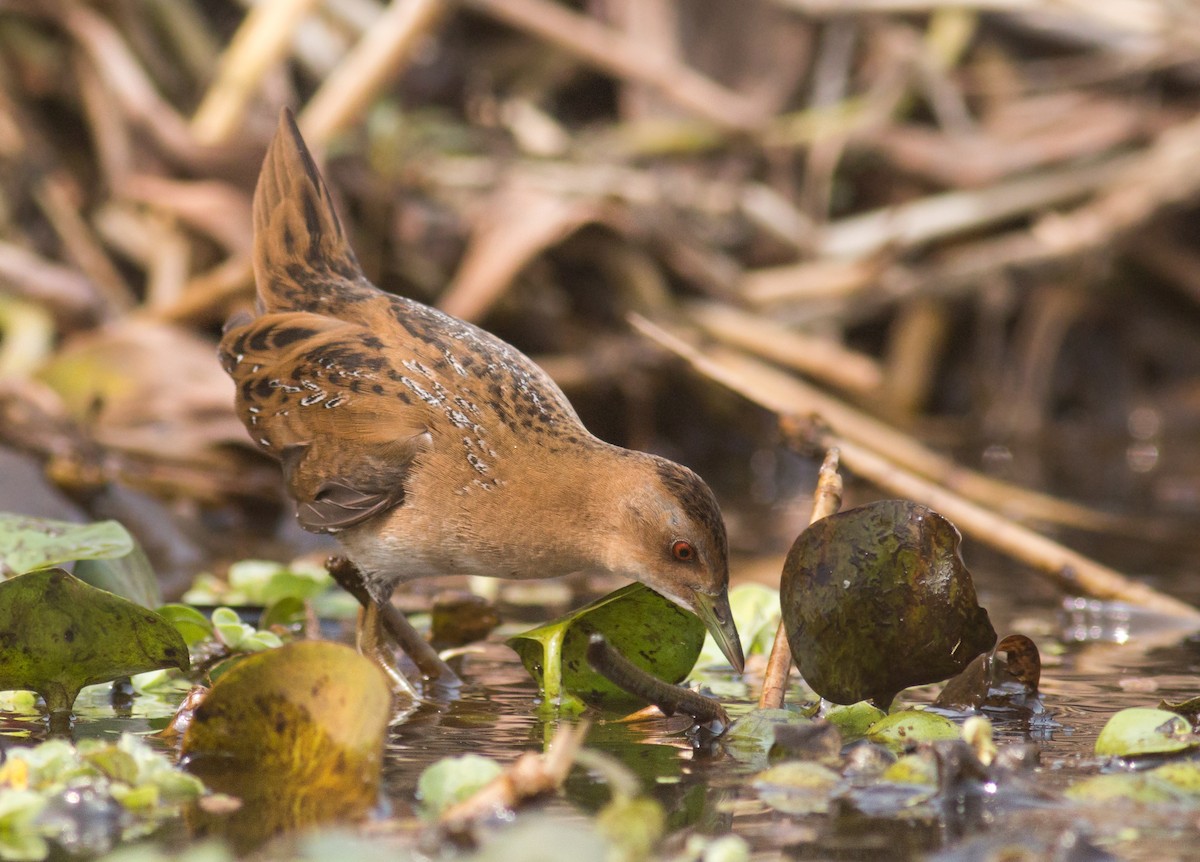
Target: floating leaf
{"type": "Point", "coordinates": [749, 739]}
{"type": "Point", "coordinates": [1183, 775]}
{"type": "Point", "coordinates": [237, 636]}
{"type": "Point", "coordinates": [990, 681]}
{"type": "Point", "coordinates": [1138, 731]}
{"type": "Point", "coordinates": [877, 599]}
{"type": "Point", "coordinates": [919, 769]}
{"type": "Point", "coordinates": [855, 719]}
{"type": "Point", "coordinates": [910, 726]}
{"type": "Point", "coordinates": [1124, 787]}
{"type": "Point", "coordinates": [797, 787]}
{"type": "Point", "coordinates": [452, 779]}
{"type": "Point", "coordinates": [297, 733]}
{"type": "Point", "coordinates": [634, 825]}
{"type": "Point", "coordinates": [652, 632]}
{"type": "Point", "coordinates": [57, 634]}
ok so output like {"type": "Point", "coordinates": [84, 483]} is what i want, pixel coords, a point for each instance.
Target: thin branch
{"type": "Point", "coordinates": [827, 500]}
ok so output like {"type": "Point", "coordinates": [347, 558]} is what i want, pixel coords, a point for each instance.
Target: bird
{"type": "Point", "coordinates": [428, 446]}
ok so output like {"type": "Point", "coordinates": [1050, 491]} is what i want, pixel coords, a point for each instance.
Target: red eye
{"type": "Point", "coordinates": [683, 551]}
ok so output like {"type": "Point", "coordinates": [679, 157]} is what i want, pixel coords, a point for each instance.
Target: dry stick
{"type": "Point", "coordinates": [823, 358]}
{"type": "Point", "coordinates": [827, 499]}
{"type": "Point", "coordinates": [369, 67]}
{"type": "Point", "coordinates": [531, 775]}
{"type": "Point", "coordinates": [787, 394]}
{"type": "Point", "coordinates": [787, 397]}
{"type": "Point", "coordinates": [262, 40]}
{"type": "Point", "coordinates": [613, 52]}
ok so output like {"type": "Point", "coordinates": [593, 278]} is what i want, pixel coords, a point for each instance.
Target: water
{"type": "Point", "coordinates": [708, 792]}
{"type": "Point", "coordinates": [1125, 660]}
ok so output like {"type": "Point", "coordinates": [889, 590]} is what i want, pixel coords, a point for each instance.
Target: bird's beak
{"type": "Point", "coordinates": [717, 617]}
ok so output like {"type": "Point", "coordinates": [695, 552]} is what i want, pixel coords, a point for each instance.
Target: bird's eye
{"type": "Point", "coordinates": [683, 551]}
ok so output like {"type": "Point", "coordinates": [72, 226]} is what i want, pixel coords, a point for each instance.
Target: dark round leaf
{"type": "Point", "coordinates": [877, 599]}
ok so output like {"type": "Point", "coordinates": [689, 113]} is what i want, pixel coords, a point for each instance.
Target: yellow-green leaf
{"type": "Point", "coordinates": [57, 634]}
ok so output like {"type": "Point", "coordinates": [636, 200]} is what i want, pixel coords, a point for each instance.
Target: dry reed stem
{"type": "Point", "coordinates": [822, 358]}
{"type": "Point", "coordinates": [530, 775]}
{"type": "Point", "coordinates": [262, 40]}
{"type": "Point", "coordinates": [369, 67]}
{"type": "Point", "coordinates": [827, 500]}
{"type": "Point", "coordinates": [610, 50]}
{"type": "Point", "coordinates": [789, 397]}
{"type": "Point", "coordinates": [787, 394]}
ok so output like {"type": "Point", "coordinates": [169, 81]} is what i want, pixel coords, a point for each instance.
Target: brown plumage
{"type": "Point", "coordinates": [429, 446]}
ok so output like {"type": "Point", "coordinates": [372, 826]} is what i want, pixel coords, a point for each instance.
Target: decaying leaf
{"type": "Point", "coordinates": [297, 734]}
{"type": "Point", "coordinates": [877, 599]}
{"type": "Point", "coordinates": [989, 680]}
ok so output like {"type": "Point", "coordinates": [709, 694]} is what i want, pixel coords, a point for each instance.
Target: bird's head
{"type": "Point", "coordinates": [674, 543]}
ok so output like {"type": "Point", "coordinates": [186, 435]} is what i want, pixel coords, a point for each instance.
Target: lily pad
{"type": "Point", "coordinates": [108, 557]}
{"type": "Point", "coordinates": [297, 733]}
{"type": "Point", "coordinates": [652, 632]}
{"type": "Point", "coordinates": [58, 634]}
{"type": "Point", "coordinates": [1139, 731]}
{"type": "Point", "coordinates": [855, 719]}
{"type": "Point", "coordinates": [877, 599]}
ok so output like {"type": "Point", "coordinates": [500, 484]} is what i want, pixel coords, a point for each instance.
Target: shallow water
{"type": "Point", "coordinates": [706, 791]}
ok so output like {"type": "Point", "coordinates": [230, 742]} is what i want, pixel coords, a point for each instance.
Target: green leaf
{"type": "Point", "coordinates": [877, 599]}
{"type": "Point", "coordinates": [749, 739]}
{"type": "Point", "coordinates": [130, 576]}
{"type": "Point", "coordinates": [57, 634]}
{"type": "Point", "coordinates": [36, 543]}
{"type": "Point", "coordinates": [652, 632]}
{"type": "Point", "coordinates": [797, 787]}
{"type": "Point", "coordinates": [286, 611]}
{"type": "Point", "coordinates": [1141, 788]}
{"type": "Point", "coordinates": [854, 720]}
{"type": "Point", "coordinates": [920, 769]}
{"type": "Point", "coordinates": [901, 729]}
{"type": "Point", "coordinates": [450, 780]}
{"type": "Point", "coordinates": [1138, 731]}
{"type": "Point", "coordinates": [108, 557]}
{"type": "Point", "coordinates": [189, 622]}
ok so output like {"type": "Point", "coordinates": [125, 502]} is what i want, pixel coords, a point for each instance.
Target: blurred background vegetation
{"type": "Point", "coordinates": [973, 221]}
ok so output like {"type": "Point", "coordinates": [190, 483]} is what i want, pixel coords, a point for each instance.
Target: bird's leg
{"type": "Point", "coordinates": [372, 644]}
{"type": "Point", "coordinates": [386, 618]}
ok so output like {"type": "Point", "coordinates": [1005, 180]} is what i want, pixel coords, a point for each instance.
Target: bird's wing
{"type": "Point", "coordinates": [311, 393]}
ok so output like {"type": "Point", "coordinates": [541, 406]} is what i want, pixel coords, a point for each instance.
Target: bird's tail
{"type": "Point", "coordinates": [302, 260]}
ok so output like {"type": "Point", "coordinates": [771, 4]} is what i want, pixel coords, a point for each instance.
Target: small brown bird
{"type": "Point", "coordinates": [429, 446]}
